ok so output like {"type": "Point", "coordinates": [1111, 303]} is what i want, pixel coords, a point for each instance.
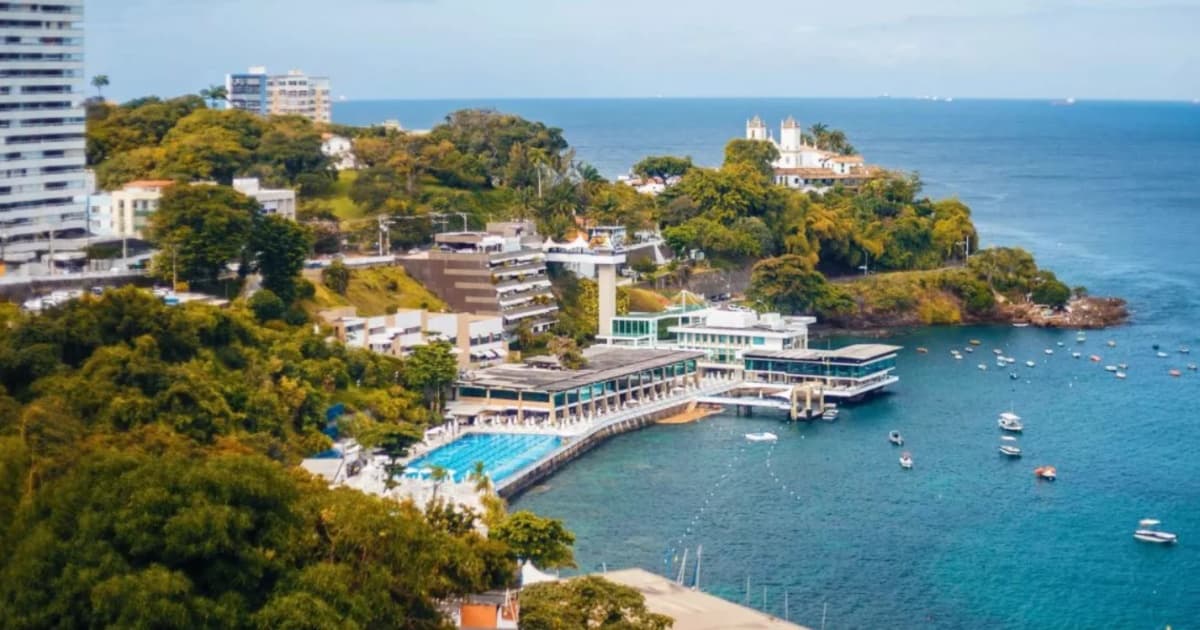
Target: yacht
{"type": "Point", "coordinates": [1046, 472]}
{"type": "Point", "coordinates": [765, 436]}
{"type": "Point", "coordinates": [1009, 447]}
{"type": "Point", "coordinates": [906, 461]}
{"type": "Point", "coordinates": [1146, 532]}
{"type": "Point", "coordinates": [1010, 421]}
{"type": "Point", "coordinates": [895, 438]}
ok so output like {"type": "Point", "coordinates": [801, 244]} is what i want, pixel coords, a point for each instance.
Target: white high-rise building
{"type": "Point", "coordinates": [294, 93]}
{"type": "Point", "coordinates": [42, 179]}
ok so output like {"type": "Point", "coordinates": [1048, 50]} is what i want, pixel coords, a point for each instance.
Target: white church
{"type": "Point", "coordinates": [805, 167]}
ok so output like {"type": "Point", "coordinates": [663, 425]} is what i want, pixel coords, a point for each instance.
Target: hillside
{"type": "Point", "coordinates": [373, 292]}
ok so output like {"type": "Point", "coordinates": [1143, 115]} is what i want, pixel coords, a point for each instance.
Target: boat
{"type": "Point", "coordinates": [969, 349]}
{"type": "Point", "coordinates": [982, 367]}
{"type": "Point", "coordinates": [1160, 354]}
{"type": "Point", "coordinates": [922, 350]}
{"type": "Point", "coordinates": [1147, 532]}
{"type": "Point", "coordinates": [1010, 421]}
{"type": "Point", "coordinates": [1000, 363]}
{"type": "Point", "coordinates": [1112, 344]}
{"type": "Point", "coordinates": [1030, 364]}
{"type": "Point", "coordinates": [1191, 366]}
{"type": "Point", "coordinates": [1010, 448]}
{"type": "Point", "coordinates": [895, 438]}
{"type": "Point", "coordinates": [975, 342]}
{"type": "Point", "coordinates": [1120, 375]}
{"type": "Point", "coordinates": [1184, 350]}
{"type": "Point", "coordinates": [1020, 324]}
{"type": "Point", "coordinates": [1175, 373]}
{"type": "Point", "coordinates": [765, 436]}
{"type": "Point", "coordinates": [1048, 351]}
{"type": "Point", "coordinates": [906, 461]}
{"type": "Point", "coordinates": [1123, 366]}
{"type": "Point", "coordinates": [1110, 368]}
{"type": "Point", "coordinates": [1046, 472]}
{"type": "Point", "coordinates": [1075, 355]}
{"type": "Point", "coordinates": [830, 414]}
{"type": "Point", "coordinates": [958, 357]}
{"type": "Point", "coordinates": [1095, 358]}
{"type": "Point", "coordinates": [1080, 337]}
{"type": "Point", "coordinates": [997, 351]}
{"type": "Point", "coordinates": [1014, 376]}
{"type": "Point", "coordinates": [1059, 344]}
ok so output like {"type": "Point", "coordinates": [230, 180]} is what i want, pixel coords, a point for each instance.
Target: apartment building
{"type": "Point", "coordinates": [294, 93]}
{"type": "Point", "coordinates": [42, 180]}
{"type": "Point", "coordinates": [478, 340]}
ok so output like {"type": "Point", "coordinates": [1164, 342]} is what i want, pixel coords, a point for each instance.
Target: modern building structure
{"type": "Point", "coordinates": [806, 167]}
{"type": "Point", "coordinates": [42, 181]}
{"type": "Point", "coordinates": [725, 335]}
{"type": "Point", "coordinates": [280, 201]}
{"type": "Point", "coordinates": [294, 93]}
{"type": "Point", "coordinates": [101, 219]}
{"type": "Point", "coordinates": [614, 378]}
{"type": "Point", "coordinates": [478, 340]}
{"type": "Point", "coordinates": [849, 373]}
{"type": "Point", "coordinates": [133, 204]}
{"type": "Point", "coordinates": [499, 272]}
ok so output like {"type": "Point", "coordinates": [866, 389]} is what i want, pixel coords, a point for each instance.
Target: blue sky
{"type": "Point", "coordinates": [1138, 49]}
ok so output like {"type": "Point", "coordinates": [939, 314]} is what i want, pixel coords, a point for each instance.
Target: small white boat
{"type": "Point", "coordinates": [1191, 366]}
{"type": "Point", "coordinates": [765, 436]}
{"type": "Point", "coordinates": [1010, 421]}
{"type": "Point", "coordinates": [1120, 375]}
{"type": "Point", "coordinates": [1000, 363]}
{"type": "Point", "coordinates": [906, 461]}
{"type": "Point", "coordinates": [1110, 368]}
{"type": "Point", "coordinates": [982, 367]}
{"type": "Point", "coordinates": [1075, 355]}
{"type": "Point", "coordinates": [895, 438]}
{"type": "Point", "coordinates": [968, 349]}
{"type": "Point", "coordinates": [1030, 364]}
{"type": "Point", "coordinates": [1009, 360]}
{"type": "Point", "coordinates": [1080, 337]}
{"type": "Point", "coordinates": [1020, 324]}
{"type": "Point", "coordinates": [1059, 344]}
{"type": "Point", "coordinates": [1184, 350]}
{"type": "Point", "coordinates": [1146, 532]}
{"type": "Point", "coordinates": [998, 352]}
{"type": "Point", "coordinates": [1112, 344]}
{"type": "Point", "coordinates": [1010, 450]}
{"type": "Point", "coordinates": [830, 414]}
{"type": "Point", "coordinates": [1161, 355]}
{"type": "Point", "coordinates": [1049, 351]}
{"type": "Point", "coordinates": [1123, 366]}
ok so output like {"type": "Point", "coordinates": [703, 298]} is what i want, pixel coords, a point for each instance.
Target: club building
{"type": "Point", "coordinates": [849, 373]}
{"type": "Point", "coordinates": [614, 378]}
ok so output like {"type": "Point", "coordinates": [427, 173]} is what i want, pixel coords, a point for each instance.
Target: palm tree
{"type": "Point", "coordinates": [100, 81]}
{"type": "Point", "coordinates": [479, 475]}
{"type": "Point", "coordinates": [439, 475]}
{"type": "Point", "coordinates": [819, 131]}
{"type": "Point", "coordinates": [213, 94]}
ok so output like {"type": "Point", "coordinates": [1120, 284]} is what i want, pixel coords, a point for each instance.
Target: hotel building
{"type": "Point", "coordinates": [614, 378]}
{"type": "Point", "coordinates": [42, 180]}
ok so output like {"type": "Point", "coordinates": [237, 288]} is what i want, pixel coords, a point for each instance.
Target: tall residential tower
{"type": "Point", "coordinates": [42, 180]}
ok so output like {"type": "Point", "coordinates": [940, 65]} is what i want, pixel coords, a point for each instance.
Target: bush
{"type": "Point", "coordinates": [336, 277]}
{"type": "Point", "coordinates": [266, 305]}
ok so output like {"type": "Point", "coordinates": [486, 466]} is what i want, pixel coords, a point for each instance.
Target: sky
{"type": "Point", "coordinates": [376, 49]}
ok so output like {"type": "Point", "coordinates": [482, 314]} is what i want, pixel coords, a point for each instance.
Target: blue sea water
{"type": "Point", "coordinates": [1104, 193]}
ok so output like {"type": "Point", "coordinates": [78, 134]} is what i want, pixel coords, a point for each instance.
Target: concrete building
{"type": "Point", "coordinates": [42, 182]}
{"type": "Point", "coordinates": [340, 149]}
{"type": "Point", "coordinates": [133, 204]}
{"type": "Point", "coordinates": [294, 93]}
{"type": "Point", "coordinates": [280, 201]}
{"type": "Point", "coordinates": [614, 378]}
{"type": "Point", "coordinates": [489, 273]}
{"type": "Point", "coordinates": [726, 334]}
{"type": "Point", "coordinates": [101, 219]}
{"type": "Point", "coordinates": [849, 373]}
{"type": "Point", "coordinates": [478, 340]}
{"type": "Point", "coordinates": [805, 167]}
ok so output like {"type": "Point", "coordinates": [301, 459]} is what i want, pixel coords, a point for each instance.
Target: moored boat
{"type": "Point", "coordinates": [1160, 354]}
{"type": "Point", "coordinates": [921, 350]}
{"type": "Point", "coordinates": [906, 461]}
{"type": "Point", "coordinates": [1014, 376]}
{"type": "Point", "coordinates": [1095, 358]}
{"type": "Point", "coordinates": [1120, 375]}
{"type": "Point", "coordinates": [997, 351]}
{"type": "Point", "coordinates": [1175, 373]}
{"type": "Point", "coordinates": [1075, 355]}
{"type": "Point", "coordinates": [1010, 421]}
{"type": "Point", "coordinates": [1110, 368]}
{"type": "Point", "coordinates": [895, 438]}
{"type": "Point", "coordinates": [1049, 351]}
{"type": "Point", "coordinates": [1191, 366]}
{"type": "Point", "coordinates": [1030, 364]}
{"type": "Point", "coordinates": [1112, 344]}
{"type": "Point", "coordinates": [1080, 337]}
{"type": "Point", "coordinates": [1147, 532]}
{"type": "Point", "coordinates": [1046, 472]}
{"type": "Point", "coordinates": [1184, 350]}
{"type": "Point", "coordinates": [1009, 446]}
{"type": "Point", "coordinates": [975, 342]}
{"type": "Point", "coordinates": [765, 436]}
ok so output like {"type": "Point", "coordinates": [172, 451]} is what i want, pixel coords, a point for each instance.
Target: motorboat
{"type": "Point", "coordinates": [1075, 355]}
{"type": "Point", "coordinates": [830, 414]}
{"type": "Point", "coordinates": [1112, 344]}
{"type": "Point", "coordinates": [1080, 337]}
{"type": "Point", "coordinates": [998, 352]}
{"type": "Point", "coordinates": [1122, 366]}
{"type": "Point", "coordinates": [1184, 350]}
{"type": "Point", "coordinates": [1049, 351]}
{"type": "Point", "coordinates": [922, 350]}
{"type": "Point", "coordinates": [1009, 360]}
{"type": "Point", "coordinates": [1000, 363]}
{"type": "Point", "coordinates": [1014, 376]}
{"type": "Point", "coordinates": [1009, 448]}
{"type": "Point", "coordinates": [895, 438]}
{"type": "Point", "coordinates": [982, 367]}
{"type": "Point", "coordinates": [958, 356]}
{"type": "Point", "coordinates": [1095, 358]}
{"type": "Point", "coordinates": [1046, 472]}
{"type": "Point", "coordinates": [1020, 324]}
{"type": "Point", "coordinates": [1120, 375]}
{"type": "Point", "coordinates": [1010, 421]}
{"type": "Point", "coordinates": [1147, 532]}
{"type": "Point", "coordinates": [975, 342]}
{"type": "Point", "coordinates": [968, 349]}
{"type": "Point", "coordinates": [1030, 364]}
{"type": "Point", "coordinates": [765, 436]}
{"type": "Point", "coordinates": [1191, 366]}
{"type": "Point", "coordinates": [1160, 354]}
{"type": "Point", "coordinates": [1175, 373]}
{"type": "Point", "coordinates": [906, 461]}
{"type": "Point", "coordinates": [1110, 368]}
{"type": "Point", "coordinates": [1059, 344]}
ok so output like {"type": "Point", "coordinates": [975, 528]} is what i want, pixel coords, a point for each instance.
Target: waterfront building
{"type": "Point", "coordinates": [848, 373]}
{"type": "Point", "coordinates": [805, 167]}
{"type": "Point", "coordinates": [478, 340]}
{"type": "Point", "coordinates": [614, 378]}
{"type": "Point", "coordinates": [280, 201]}
{"type": "Point", "coordinates": [42, 184]}
{"type": "Point", "coordinates": [294, 93]}
{"type": "Point", "coordinates": [500, 272]}
{"type": "Point", "coordinates": [726, 334]}
{"type": "Point", "coordinates": [133, 204]}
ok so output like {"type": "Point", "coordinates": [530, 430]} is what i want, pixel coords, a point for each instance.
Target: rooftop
{"type": "Point", "coordinates": [858, 352]}
{"type": "Point", "coordinates": [603, 363]}
{"type": "Point", "coordinates": [694, 610]}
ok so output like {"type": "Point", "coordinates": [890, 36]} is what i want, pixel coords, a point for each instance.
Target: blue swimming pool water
{"type": "Point", "coordinates": [502, 454]}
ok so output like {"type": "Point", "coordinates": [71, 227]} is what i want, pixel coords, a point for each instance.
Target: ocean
{"type": "Point", "coordinates": [1103, 193]}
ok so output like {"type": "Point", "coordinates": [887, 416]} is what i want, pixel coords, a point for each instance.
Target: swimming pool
{"type": "Point", "coordinates": [502, 454]}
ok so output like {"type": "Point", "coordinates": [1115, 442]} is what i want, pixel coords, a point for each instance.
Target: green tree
{"type": "Point", "coordinates": [214, 94]}
{"type": "Point", "coordinates": [279, 247]}
{"type": "Point", "coordinates": [663, 166]}
{"type": "Point", "coordinates": [393, 439]}
{"type": "Point", "coordinates": [100, 81]}
{"type": "Point", "coordinates": [1048, 290]}
{"type": "Point", "coordinates": [758, 154]}
{"type": "Point", "coordinates": [543, 541]}
{"type": "Point", "coordinates": [266, 305]}
{"type": "Point", "coordinates": [337, 277]}
{"type": "Point", "coordinates": [199, 229]}
{"type": "Point", "coordinates": [587, 602]}
{"type": "Point", "coordinates": [789, 284]}
{"type": "Point", "coordinates": [430, 369]}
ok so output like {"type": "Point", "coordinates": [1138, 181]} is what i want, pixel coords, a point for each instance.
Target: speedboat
{"type": "Point", "coordinates": [906, 461]}
{"type": "Point", "coordinates": [1120, 375]}
{"type": "Point", "coordinates": [895, 438]}
{"type": "Point", "coordinates": [1010, 449]}
{"type": "Point", "coordinates": [1080, 337]}
{"type": "Point", "coordinates": [1046, 472]}
{"type": "Point", "coordinates": [1146, 532]}
{"type": "Point", "coordinates": [1049, 351]}
{"type": "Point", "coordinates": [1030, 364]}
{"type": "Point", "coordinates": [982, 367]}
{"type": "Point", "coordinates": [1191, 366]}
{"type": "Point", "coordinates": [1110, 368]}
{"type": "Point", "coordinates": [1184, 350]}
{"type": "Point", "coordinates": [1112, 344]}
{"type": "Point", "coordinates": [1075, 355]}
{"type": "Point", "coordinates": [1014, 376]}
{"type": "Point", "coordinates": [1010, 421]}
{"type": "Point", "coordinates": [1175, 373]}
{"type": "Point", "coordinates": [1160, 354]}
{"type": "Point", "coordinates": [765, 436]}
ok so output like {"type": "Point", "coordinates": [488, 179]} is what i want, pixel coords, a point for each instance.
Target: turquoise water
{"type": "Point", "coordinates": [502, 454]}
{"type": "Point", "coordinates": [1103, 193]}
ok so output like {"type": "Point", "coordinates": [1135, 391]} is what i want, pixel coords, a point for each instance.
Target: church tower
{"type": "Point", "coordinates": [756, 129]}
{"type": "Point", "coordinates": [790, 135]}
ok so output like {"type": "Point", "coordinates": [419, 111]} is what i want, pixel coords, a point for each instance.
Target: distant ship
{"type": "Point", "coordinates": [1070, 100]}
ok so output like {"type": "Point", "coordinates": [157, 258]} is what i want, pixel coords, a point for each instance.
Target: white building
{"type": "Point", "coordinates": [339, 149]}
{"type": "Point", "coordinates": [42, 181]}
{"type": "Point", "coordinates": [132, 205]}
{"type": "Point", "coordinates": [101, 219]}
{"type": "Point", "coordinates": [280, 201]}
{"type": "Point", "coordinates": [726, 334]}
{"type": "Point", "coordinates": [294, 93]}
{"type": "Point", "coordinates": [803, 166]}
{"type": "Point", "coordinates": [478, 340]}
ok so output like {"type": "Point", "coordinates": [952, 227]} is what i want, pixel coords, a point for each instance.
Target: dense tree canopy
{"type": "Point", "coordinates": [199, 229]}
{"type": "Point", "coordinates": [584, 603]}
